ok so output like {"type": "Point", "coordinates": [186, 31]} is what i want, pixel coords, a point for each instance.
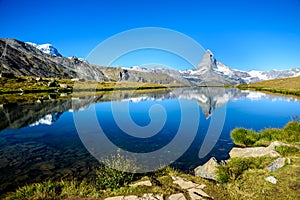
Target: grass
{"type": "Point", "coordinates": [247, 138]}
{"type": "Point", "coordinates": [31, 85]}
{"type": "Point", "coordinates": [286, 86]}
{"type": "Point", "coordinates": [245, 177]}
{"type": "Point", "coordinates": [235, 167]}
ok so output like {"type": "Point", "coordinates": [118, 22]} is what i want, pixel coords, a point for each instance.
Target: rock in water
{"type": "Point", "coordinates": [208, 170]}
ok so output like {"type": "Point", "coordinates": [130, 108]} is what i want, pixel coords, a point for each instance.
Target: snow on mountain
{"type": "Point", "coordinates": [209, 72]}
{"type": "Point", "coordinates": [47, 119]}
{"type": "Point", "coordinates": [210, 68]}
{"type": "Point", "coordinates": [46, 48]}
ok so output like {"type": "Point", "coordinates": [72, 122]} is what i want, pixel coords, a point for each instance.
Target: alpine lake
{"type": "Point", "coordinates": [66, 138]}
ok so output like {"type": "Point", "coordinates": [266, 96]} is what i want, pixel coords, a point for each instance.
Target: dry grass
{"type": "Point", "coordinates": [287, 86]}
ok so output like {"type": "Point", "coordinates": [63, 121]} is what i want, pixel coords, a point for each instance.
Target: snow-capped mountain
{"type": "Point", "coordinates": [46, 61]}
{"type": "Point", "coordinates": [212, 72]}
{"type": "Point", "coordinates": [46, 48]}
{"type": "Point", "coordinates": [211, 69]}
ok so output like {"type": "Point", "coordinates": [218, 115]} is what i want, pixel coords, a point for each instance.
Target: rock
{"type": "Point", "coordinates": [52, 84]}
{"type": "Point", "coordinates": [141, 183]}
{"type": "Point", "coordinates": [150, 196]}
{"type": "Point", "coordinates": [257, 151]}
{"type": "Point", "coordinates": [197, 194]}
{"type": "Point", "coordinates": [183, 184]}
{"type": "Point", "coordinates": [63, 95]}
{"type": "Point", "coordinates": [131, 197]}
{"type": "Point", "coordinates": [63, 86]}
{"type": "Point", "coordinates": [252, 152]}
{"type": "Point", "coordinates": [178, 196]}
{"type": "Point", "coordinates": [115, 198]}
{"type": "Point", "coordinates": [271, 179]}
{"type": "Point", "coordinates": [277, 164]}
{"type": "Point", "coordinates": [208, 170]}
{"type": "Point", "coordinates": [39, 79]}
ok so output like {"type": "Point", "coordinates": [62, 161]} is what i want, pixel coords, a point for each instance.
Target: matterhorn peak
{"type": "Point", "coordinates": [208, 60]}
{"type": "Point", "coordinates": [209, 52]}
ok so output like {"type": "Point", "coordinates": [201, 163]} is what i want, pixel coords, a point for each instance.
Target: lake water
{"type": "Point", "coordinates": [183, 128]}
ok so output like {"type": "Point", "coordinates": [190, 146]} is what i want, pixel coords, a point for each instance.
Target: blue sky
{"type": "Point", "coordinates": [243, 34]}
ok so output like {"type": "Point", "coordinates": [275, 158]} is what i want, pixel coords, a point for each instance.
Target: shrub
{"type": "Point", "coordinates": [247, 138]}
{"type": "Point", "coordinates": [244, 137]}
{"type": "Point", "coordinates": [114, 173]}
{"type": "Point", "coordinates": [236, 166]}
{"type": "Point", "coordinates": [271, 134]}
{"type": "Point", "coordinates": [286, 150]}
{"type": "Point", "coordinates": [47, 190]}
{"type": "Point", "coordinates": [292, 132]}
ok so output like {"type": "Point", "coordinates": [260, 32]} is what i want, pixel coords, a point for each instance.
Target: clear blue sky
{"type": "Point", "coordinates": [244, 34]}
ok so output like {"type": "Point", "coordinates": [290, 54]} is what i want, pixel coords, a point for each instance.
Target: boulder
{"type": "Point", "coordinates": [257, 151]}
{"type": "Point", "coordinates": [195, 194]}
{"type": "Point", "coordinates": [63, 86]}
{"type": "Point", "coordinates": [183, 184]}
{"type": "Point", "coordinates": [141, 183]}
{"type": "Point", "coordinates": [52, 83]}
{"type": "Point", "coordinates": [208, 170]}
{"type": "Point", "coordinates": [271, 179]}
{"type": "Point", "coordinates": [178, 196]}
{"type": "Point", "coordinates": [277, 164]}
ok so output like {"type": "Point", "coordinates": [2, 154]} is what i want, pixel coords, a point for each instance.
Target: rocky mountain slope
{"type": "Point", "coordinates": [23, 59]}
{"type": "Point", "coordinates": [30, 59]}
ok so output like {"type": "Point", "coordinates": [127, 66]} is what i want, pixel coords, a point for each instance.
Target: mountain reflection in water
{"type": "Point", "coordinates": [40, 140]}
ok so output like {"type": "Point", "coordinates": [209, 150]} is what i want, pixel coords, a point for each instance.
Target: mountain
{"type": "Point", "coordinates": [23, 59]}
{"type": "Point", "coordinates": [30, 59]}
{"type": "Point", "coordinates": [211, 72]}
{"type": "Point", "coordinates": [46, 48]}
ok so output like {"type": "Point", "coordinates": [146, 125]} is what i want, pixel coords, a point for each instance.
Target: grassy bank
{"type": "Point", "coordinates": [36, 85]}
{"type": "Point", "coordinates": [286, 86]}
{"type": "Point", "coordinates": [244, 178]}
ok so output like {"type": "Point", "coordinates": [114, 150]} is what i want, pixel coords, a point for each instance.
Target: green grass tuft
{"type": "Point", "coordinates": [244, 137]}
{"type": "Point", "coordinates": [247, 138]}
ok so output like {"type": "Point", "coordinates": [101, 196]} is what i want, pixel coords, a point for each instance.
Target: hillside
{"type": "Point", "coordinates": [283, 86]}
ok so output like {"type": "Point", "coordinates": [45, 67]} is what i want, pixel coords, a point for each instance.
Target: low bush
{"type": "Point", "coordinates": [235, 167]}
{"type": "Point", "coordinates": [244, 137]}
{"type": "Point", "coordinates": [247, 138]}
{"type": "Point", "coordinates": [117, 171]}
{"type": "Point", "coordinates": [286, 150]}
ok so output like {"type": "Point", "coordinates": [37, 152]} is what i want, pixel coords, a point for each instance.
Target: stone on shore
{"type": "Point", "coordinates": [257, 151]}
{"type": "Point", "coordinates": [271, 179]}
{"type": "Point", "coordinates": [141, 183]}
{"type": "Point", "coordinates": [277, 164]}
{"type": "Point", "coordinates": [208, 170]}
{"type": "Point", "coordinates": [178, 196]}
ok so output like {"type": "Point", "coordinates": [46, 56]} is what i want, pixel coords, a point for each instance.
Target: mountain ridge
{"type": "Point", "coordinates": [30, 59]}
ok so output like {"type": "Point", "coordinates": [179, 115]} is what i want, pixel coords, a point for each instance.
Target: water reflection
{"type": "Point", "coordinates": [39, 140]}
